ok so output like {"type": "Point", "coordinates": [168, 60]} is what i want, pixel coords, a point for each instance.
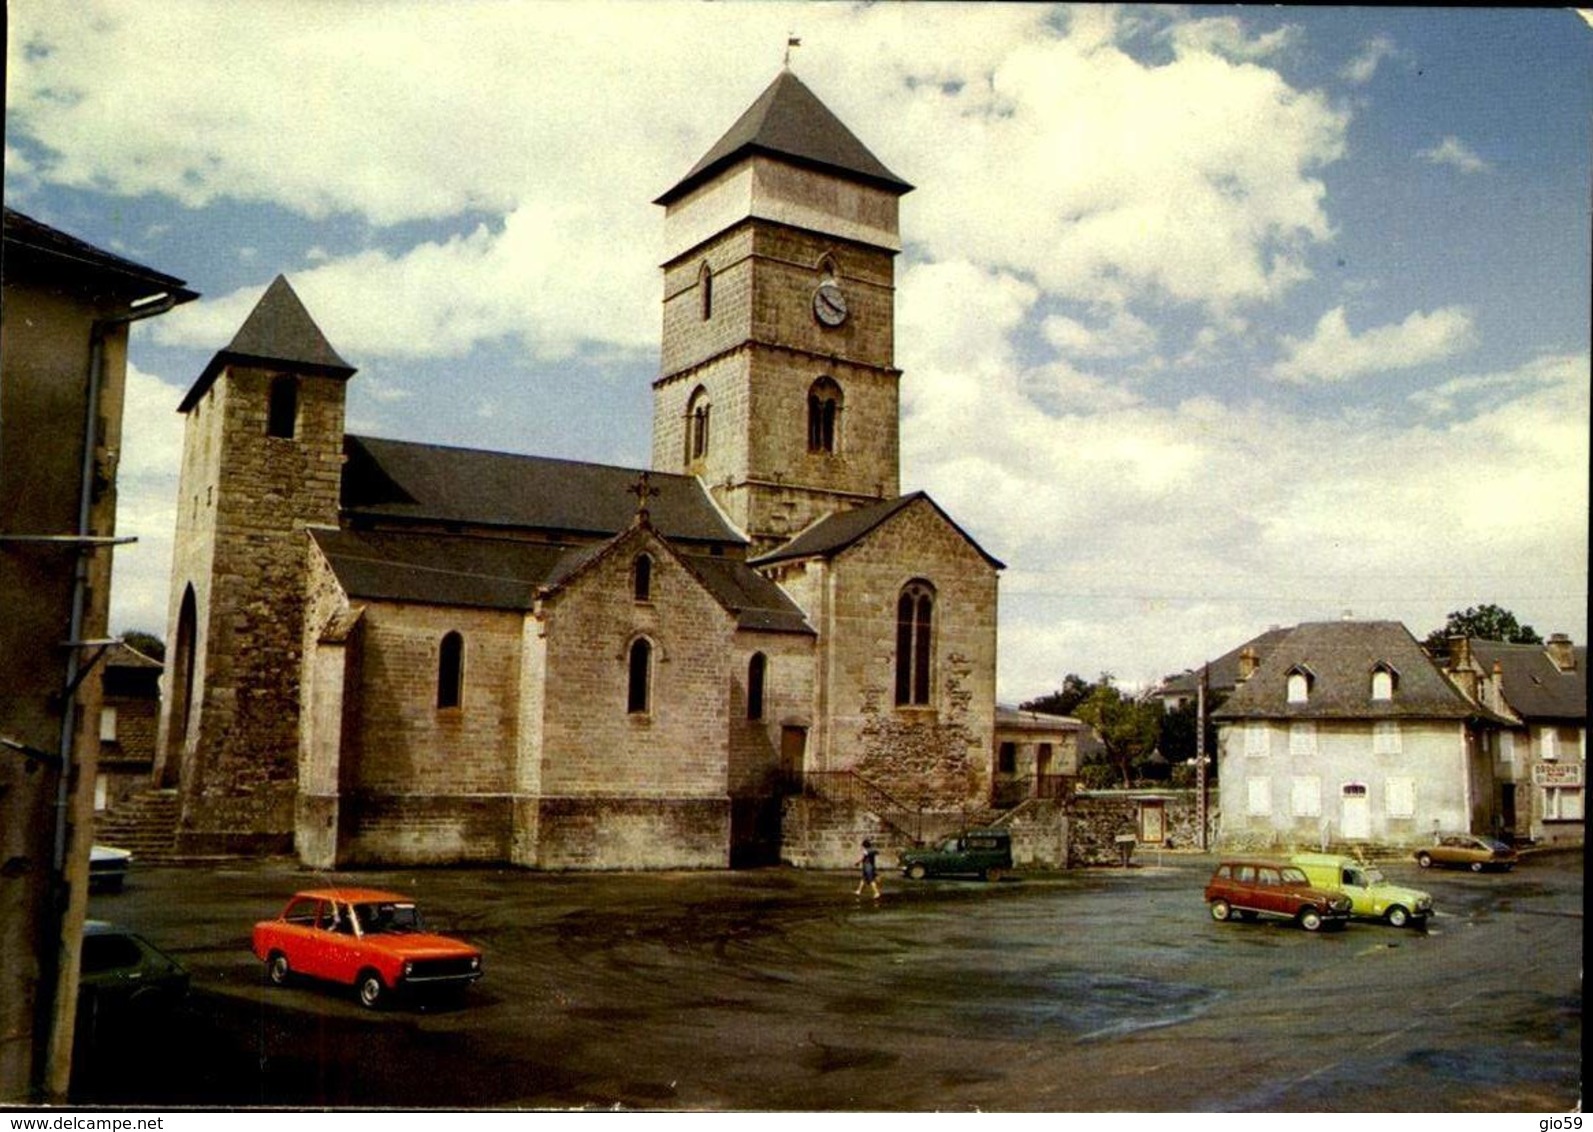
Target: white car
{"type": "Point", "coordinates": [108, 868]}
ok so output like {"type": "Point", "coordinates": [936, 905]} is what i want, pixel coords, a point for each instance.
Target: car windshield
{"type": "Point", "coordinates": [388, 918]}
{"type": "Point", "coordinates": [1294, 876]}
{"type": "Point", "coordinates": [1374, 876]}
{"type": "Point", "coordinates": [1494, 845]}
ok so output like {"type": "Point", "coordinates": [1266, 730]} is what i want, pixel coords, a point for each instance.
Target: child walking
{"type": "Point", "coordinates": [870, 869]}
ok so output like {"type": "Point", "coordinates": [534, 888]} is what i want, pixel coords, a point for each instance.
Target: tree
{"type": "Point", "coordinates": [146, 643]}
{"type": "Point", "coordinates": [1484, 622]}
{"type": "Point", "coordinates": [1074, 691]}
{"type": "Point", "coordinates": [1127, 728]}
{"type": "Point", "coordinates": [1178, 728]}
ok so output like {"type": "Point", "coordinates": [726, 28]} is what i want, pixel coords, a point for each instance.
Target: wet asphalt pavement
{"type": "Point", "coordinates": [1095, 990]}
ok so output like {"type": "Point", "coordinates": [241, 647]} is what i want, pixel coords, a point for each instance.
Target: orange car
{"type": "Point", "coordinates": [373, 941]}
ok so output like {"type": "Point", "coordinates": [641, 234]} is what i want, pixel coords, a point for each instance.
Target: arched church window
{"type": "Point", "coordinates": [450, 671]}
{"type": "Point", "coordinates": [824, 414]}
{"type": "Point", "coordinates": [282, 412]}
{"type": "Point", "coordinates": [915, 615]}
{"type": "Point", "coordinates": [637, 699]}
{"type": "Point", "coordinates": [642, 578]}
{"type": "Point", "coordinates": [757, 667]}
{"type": "Point", "coordinates": [698, 408]}
{"type": "Point", "coordinates": [705, 291]}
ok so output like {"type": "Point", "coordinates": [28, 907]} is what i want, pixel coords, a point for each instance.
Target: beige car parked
{"type": "Point", "coordinates": [1466, 851]}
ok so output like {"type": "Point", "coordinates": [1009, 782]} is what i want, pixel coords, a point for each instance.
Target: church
{"type": "Point", "coordinates": [388, 652]}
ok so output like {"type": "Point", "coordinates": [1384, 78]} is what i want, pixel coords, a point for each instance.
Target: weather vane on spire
{"type": "Point", "coordinates": [791, 40]}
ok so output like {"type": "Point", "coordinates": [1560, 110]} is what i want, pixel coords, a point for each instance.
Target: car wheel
{"type": "Point", "coordinates": [1310, 919]}
{"type": "Point", "coordinates": [1220, 910]}
{"type": "Point", "coordinates": [1425, 860]}
{"type": "Point", "coordinates": [992, 874]}
{"type": "Point", "coordinates": [917, 872]}
{"type": "Point", "coordinates": [1476, 866]}
{"type": "Point", "coordinates": [372, 990]}
{"type": "Point", "coordinates": [1397, 916]}
{"type": "Point", "coordinates": [277, 969]}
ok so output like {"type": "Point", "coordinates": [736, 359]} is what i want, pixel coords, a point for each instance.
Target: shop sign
{"type": "Point", "coordinates": [1557, 774]}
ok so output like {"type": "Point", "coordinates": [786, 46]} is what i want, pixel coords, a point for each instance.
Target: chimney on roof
{"type": "Point", "coordinates": [1248, 663]}
{"type": "Point", "coordinates": [1561, 653]}
{"type": "Point", "coordinates": [1462, 670]}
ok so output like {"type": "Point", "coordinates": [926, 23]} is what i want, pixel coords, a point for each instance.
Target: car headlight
{"type": "Point", "coordinates": [409, 969]}
{"type": "Point", "coordinates": [475, 962]}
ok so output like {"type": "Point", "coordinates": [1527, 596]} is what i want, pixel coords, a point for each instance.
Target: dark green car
{"type": "Point", "coordinates": [983, 853]}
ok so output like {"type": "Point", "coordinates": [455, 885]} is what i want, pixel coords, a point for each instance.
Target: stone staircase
{"type": "Point", "coordinates": [145, 824]}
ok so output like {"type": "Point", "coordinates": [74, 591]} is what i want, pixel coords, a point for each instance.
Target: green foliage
{"type": "Point", "coordinates": [146, 643]}
{"type": "Point", "coordinates": [1177, 742]}
{"type": "Point", "coordinates": [1484, 622]}
{"type": "Point", "coordinates": [1128, 728]}
{"type": "Point", "coordinates": [1074, 691]}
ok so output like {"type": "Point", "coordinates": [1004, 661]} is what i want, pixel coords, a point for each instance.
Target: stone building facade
{"type": "Point", "coordinates": [1349, 734]}
{"type": "Point", "coordinates": [1539, 753]}
{"type": "Point", "coordinates": [391, 652]}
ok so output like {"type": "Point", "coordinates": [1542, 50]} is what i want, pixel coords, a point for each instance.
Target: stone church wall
{"type": "Point", "coordinates": [787, 702]}
{"type": "Point", "coordinates": [938, 756]}
{"type": "Point", "coordinates": [658, 778]}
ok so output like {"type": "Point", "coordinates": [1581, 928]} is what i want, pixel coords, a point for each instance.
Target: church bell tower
{"type": "Point", "coordinates": [777, 380]}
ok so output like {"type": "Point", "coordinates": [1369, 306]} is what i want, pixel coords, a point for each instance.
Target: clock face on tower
{"type": "Point", "coordinates": [829, 303]}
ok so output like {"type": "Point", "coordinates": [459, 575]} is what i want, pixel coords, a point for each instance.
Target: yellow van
{"type": "Point", "coordinates": [1371, 896]}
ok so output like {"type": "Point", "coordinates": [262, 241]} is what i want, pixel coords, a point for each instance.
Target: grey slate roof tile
{"type": "Point", "coordinates": [1340, 655]}
{"type": "Point", "coordinates": [788, 121]}
{"type": "Point", "coordinates": [834, 533]}
{"type": "Point", "coordinates": [278, 332]}
{"type": "Point", "coordinates": [1533, 687]}
{"type": "Point", "coordinates": [395, 480]}
{"type": "Point", "coordinates": [32, 241]}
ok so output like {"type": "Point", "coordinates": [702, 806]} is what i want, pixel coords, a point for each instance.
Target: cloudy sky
{"type": "Point", "coordinates": [1211, 319]}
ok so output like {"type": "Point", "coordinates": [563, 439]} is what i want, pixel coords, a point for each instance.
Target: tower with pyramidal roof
{"type": "Point", "coordinates": [262, 461]}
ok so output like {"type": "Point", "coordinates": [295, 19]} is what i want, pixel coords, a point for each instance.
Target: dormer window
{"type": "Point", "coordinates": [1299, 684]}
{"type": "Point", "coordinates": [1384, 678]}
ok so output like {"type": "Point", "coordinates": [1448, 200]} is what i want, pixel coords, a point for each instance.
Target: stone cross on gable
{"type": "Point", "coordinates": [643, 491]}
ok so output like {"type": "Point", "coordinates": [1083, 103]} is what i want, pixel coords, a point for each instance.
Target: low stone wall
{"type": "Point", "coordinates": [822, 834]}
{"type": "Point", "coordinates": [1100, 817]}
{"type": "Point", "coordinates": [817, 833]}
{"type": "Point", "coordinates": [1040, 831]}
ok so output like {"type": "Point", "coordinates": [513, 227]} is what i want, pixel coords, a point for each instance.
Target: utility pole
{"type": "Point", "coordinates": [1200, 755]}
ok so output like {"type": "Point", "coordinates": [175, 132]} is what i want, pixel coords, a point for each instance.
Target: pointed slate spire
{"type": "Point", "coordinates": [278, 333]}
{"type": "Point", "coordinates": [789, 122]}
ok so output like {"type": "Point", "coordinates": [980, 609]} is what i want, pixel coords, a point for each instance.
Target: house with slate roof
{"type": "Point", "coordinates": [1223, 675]}
{"type": "Point", "coordinates": [1348, 733]}
{"type": "Point", "coordinates": [1540, 757]}
{"type": "Point", "coordinates": [387, 651]}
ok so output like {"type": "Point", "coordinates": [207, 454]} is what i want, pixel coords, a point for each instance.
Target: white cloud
{"type": "Point", "coordinates": [1141, 538]}
{"type": "Point", "coordinates": [1452, 151]}
{"type": "Point", "coordinates": [1226, 35]}
{"type": "Point", "coordinates": [1059, 158]}
{"type": "Point", "coordinates": [1335, 353]}
{"type": "Point", "coordinates": [1124, 334]}
{"type": "Point", "coordinates": [1363, 66]}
